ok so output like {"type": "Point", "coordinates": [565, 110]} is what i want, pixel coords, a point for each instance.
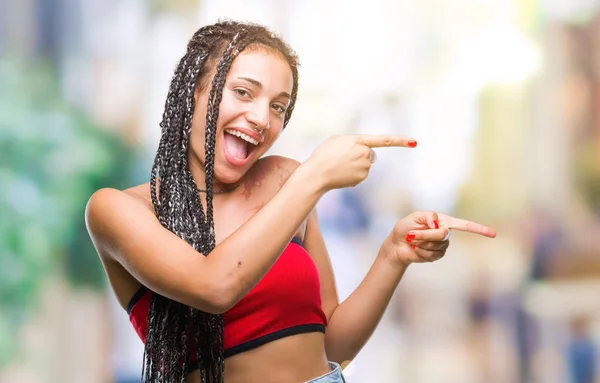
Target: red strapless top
{"type": "Point", "coordinates": [285, 302]}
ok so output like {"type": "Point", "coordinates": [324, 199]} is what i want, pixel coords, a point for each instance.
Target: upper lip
{"type": "Point", "coordinates": [249, 132]}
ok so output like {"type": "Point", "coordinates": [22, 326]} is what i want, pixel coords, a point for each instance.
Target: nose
{"type": "Point", "coordinates": [258, 115]}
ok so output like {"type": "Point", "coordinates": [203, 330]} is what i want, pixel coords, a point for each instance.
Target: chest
{"type": "Point", "coordinates": [229, 217]}
{"type": "Point", "coordinates": [232, 212]}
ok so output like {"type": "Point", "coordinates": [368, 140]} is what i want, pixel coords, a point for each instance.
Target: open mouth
{"type": "Point", "coordinates": [239, 145]}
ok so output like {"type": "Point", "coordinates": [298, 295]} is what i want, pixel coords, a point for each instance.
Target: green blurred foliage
{"type": "Point", "coordinates": [52, 158]}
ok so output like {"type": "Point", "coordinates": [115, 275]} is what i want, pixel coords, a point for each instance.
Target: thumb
{"type": "Point", "coordinates": [429, 219]}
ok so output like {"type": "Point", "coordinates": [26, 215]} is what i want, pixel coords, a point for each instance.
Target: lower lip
{"type": "Point", "coordinates": [234, 160]}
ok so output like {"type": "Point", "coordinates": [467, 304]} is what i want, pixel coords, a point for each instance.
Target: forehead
{"type": "Point", "coordinates": [265, 65]}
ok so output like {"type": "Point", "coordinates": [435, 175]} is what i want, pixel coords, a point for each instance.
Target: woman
{"type": "Point", "coordinates": [256, 306]}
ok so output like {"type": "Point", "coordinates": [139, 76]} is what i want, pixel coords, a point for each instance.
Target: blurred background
{"type": "Point", "coordinates": [502, 95]}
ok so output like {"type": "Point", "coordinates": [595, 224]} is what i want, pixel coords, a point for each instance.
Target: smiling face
{"type": "Point", "coordinates": [256, 95]}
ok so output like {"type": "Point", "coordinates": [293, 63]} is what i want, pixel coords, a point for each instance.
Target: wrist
{"type": "Point", "coordinates": [391, 253]}
{"type": "Point", "coordinates": [310, 178]}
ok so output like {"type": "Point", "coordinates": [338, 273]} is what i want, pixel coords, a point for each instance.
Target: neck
{"type": "Point", "coordinates": [199, 175]}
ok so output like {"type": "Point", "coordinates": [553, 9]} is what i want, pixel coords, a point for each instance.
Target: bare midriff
{"type": "Point", "coordinates": [293, 359]}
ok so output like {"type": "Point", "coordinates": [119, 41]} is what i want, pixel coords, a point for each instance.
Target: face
{"type": "Point", "coordinates": [255, 98]}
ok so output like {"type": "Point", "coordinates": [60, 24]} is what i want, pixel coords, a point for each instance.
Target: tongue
{"type": "Point", "coordinates": [236, 146]}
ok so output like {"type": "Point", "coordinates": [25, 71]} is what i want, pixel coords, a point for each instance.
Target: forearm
{"type": "Point", "coordinates": [242, 259]}
{"type": "Point", "coordinates": [354, 320]}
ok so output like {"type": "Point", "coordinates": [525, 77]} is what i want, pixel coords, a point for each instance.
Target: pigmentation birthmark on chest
{"type": "Point", "coordinates": [255, 180]}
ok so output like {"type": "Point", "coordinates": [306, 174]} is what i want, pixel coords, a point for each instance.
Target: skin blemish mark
{"type": "Point", "coordinates": [239, 263]}
{"type": "Point", "coordinates": [250, 184]}
{"type": "Point", "coordinates": [259, 174]}
{"type": "Point", "coordinates": [285, 174]}
{"type": "Point", "coordinates": [255, 180]}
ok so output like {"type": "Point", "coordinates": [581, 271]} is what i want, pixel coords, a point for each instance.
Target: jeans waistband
{"type": "Point", "coordinates": [334, 376]}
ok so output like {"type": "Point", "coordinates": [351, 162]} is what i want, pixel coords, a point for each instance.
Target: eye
{"type": "Point", "coordinates": [278, 108]}
{"type": "Point", "coordinates": [242, 92]}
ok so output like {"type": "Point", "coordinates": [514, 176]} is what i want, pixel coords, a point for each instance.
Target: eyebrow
{"type": "Point", "coordinates": [259, 85]}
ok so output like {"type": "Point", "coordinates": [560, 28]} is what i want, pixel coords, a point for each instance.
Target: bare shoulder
{"type": "Point", "coordinates": [108, 201]}
{"type": "Point", "coordinates": [108, 209]}
{"type": "Point", "coordinates": [266, 177]}
{"type": "Point", "coordinates": [280, 168]}
{"type": "Point", "coordinates": [281, 162]}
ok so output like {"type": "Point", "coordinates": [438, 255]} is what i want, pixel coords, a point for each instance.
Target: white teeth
{"type": "Point", "coordinates": [242, 136]}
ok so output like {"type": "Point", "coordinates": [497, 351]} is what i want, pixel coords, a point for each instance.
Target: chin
{"type": "Point", "coordinates": [226, 173]}
{"type": "Point", "coordinates": [229, 176]}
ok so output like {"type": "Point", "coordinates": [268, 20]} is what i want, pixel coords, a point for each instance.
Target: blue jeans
{"type": "Point", "coordinates": [335, 376]}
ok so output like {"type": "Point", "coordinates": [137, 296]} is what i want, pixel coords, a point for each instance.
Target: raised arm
{"type": "Point", "coordinates": [418, 237]}
{"type": "Point", "coordinates": [127, 231]}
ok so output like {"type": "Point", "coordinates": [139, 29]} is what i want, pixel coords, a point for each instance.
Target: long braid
{"type": "Point", "coordinates": [175, 330]}
{"type": "Point", "coordinates": [212, 114]}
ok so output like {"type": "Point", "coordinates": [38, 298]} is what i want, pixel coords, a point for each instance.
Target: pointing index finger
{"type": "Point", "coordinates": [383, 140]}
{"type": "Point", "coordinates": [468, 226]}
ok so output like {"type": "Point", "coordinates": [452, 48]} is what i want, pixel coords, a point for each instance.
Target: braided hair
{"type": "Point", "coordinates": [181, 338]}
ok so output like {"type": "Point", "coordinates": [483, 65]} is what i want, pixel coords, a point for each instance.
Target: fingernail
{"type": "Point", "coordinates": [413, 247]}
{"type": "Point", "coordinates": [412, 144]}
{"type": "Point", "coordinates": [410, 235]}
{"type": "Point", "coordinates": [436, 224]}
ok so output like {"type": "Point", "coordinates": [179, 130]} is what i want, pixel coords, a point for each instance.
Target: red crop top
{"type": "Point", "coordinates": [286, 301]}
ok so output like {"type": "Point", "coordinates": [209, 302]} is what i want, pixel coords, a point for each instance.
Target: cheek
{"type": "Point", "coordinates": [197, 138]}
{"type": "Point", "coordinates": [198, 129]}
{"type": "Point", "coordinates": [196, 145]}
{"type": "Point", "coordinates": [229, 108]}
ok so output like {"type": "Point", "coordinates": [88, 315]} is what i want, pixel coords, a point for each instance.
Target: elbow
{"type": "Point", "coordinates": [215, 308]}
{"type": "Point", "coordinates": [214, 304]}
{"type": "Point", "coordinates": [221, 288]}
{"type": "Point", "coordinates": [219, 303]}
{"type": "Point", "coordinates": [217, 298]}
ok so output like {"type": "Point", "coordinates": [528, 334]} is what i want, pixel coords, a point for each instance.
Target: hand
{"type": "Point", "coordinates": [424, 236]}
{"type": "Point", "coordinates": [342, 161]}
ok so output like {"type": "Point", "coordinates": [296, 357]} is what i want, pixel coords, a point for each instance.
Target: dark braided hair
{"type": "Point", "coordinates": [181, 338]}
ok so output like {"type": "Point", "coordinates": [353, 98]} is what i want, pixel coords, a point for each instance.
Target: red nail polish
{"type": "Point", "coordinates": [436, 224]}
{"type": "Point", "coordinates": [408, 240]}
{"type": "Point", "coordinates": [410, 236]}
{"type": "Point", "coordinates": [412, 144]}
{"type": "Point", "coordinates": [413, 247]}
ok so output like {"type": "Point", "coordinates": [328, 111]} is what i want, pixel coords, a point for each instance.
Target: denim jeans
{"type": "Point", "coordinates": [335, 376]}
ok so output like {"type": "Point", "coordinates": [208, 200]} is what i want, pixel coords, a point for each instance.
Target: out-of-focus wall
{"type": "Point", "coordinates": [503, 97]}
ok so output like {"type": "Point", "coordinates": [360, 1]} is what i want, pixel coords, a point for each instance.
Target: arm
{"type": "Point", "coordinates": [419, 237]}
{"type": "Point", "coordinates": [352, 322]}
{"type": "Point", "coordinates": [128, 232]}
